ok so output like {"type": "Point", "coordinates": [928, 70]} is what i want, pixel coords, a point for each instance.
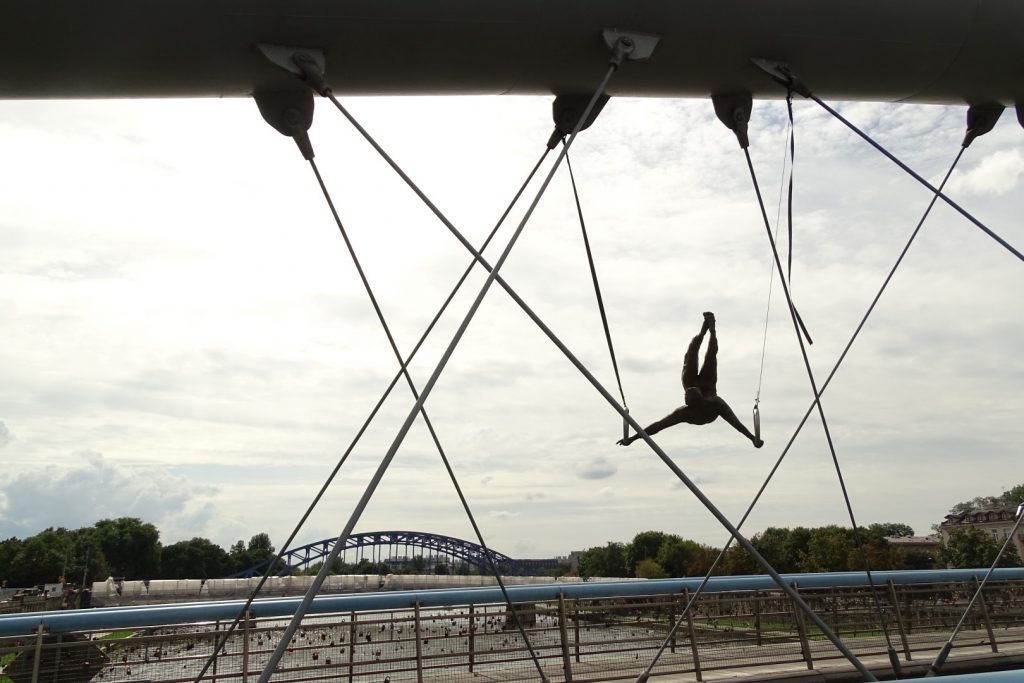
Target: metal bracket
{"type": "Point", "coordinates": [733, 110]}
{"type": "Point", "coordinates": [981, 118]}
{"type": "Point", "coordinates": [290, 112]}
{"type": "Point", "coordinates": [781, 73]}
{"type": "Point", "coordinates": [308, 63]}
{"type": "Point", "coordinates": [643, 44]}
{"type": "Point", "coordinates": [566, 111]}
{"type": "Point", "coordinates": [1020, 113]}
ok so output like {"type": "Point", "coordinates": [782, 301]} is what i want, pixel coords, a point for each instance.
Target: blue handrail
{"type": "Point", "coordinates": [111, 618]}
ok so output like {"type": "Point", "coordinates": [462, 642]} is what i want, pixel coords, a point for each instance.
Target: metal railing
{"type": "Point", "coordinates": [581, 633]}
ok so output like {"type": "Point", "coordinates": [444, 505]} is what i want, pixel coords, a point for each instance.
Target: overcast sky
{"type": "Point", "coordinates": [185, 339]}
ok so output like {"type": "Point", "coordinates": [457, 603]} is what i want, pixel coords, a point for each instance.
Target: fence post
{"type": "Point", "coordinates": [57, 658]}
{"type": "Point", "coordinates": [472, 638]}
{"type": "Point", "coordinates": [801, 628]}
{"type": "Point", "coordinates": [693, 637]}
{"type": "Point", "coordinates": [563, 632]}
{"type": "Point", "coordinates": [351, 646]}
{"type": "Point", "coordinates": [38, 654]}
{"type": "Point", "coordinates": [899, 619]}
{"type": "Point", "coordinates": [419, 642]}
{"type": "Point", "coordinates": [216, 639]}
{"type": "Point", "coordinates": [985, 615]}
{"type": "Point", "coordinates": [245, 647]}
{"type": "Point", "coordinates": [576, 627]}
{"type": "Point", "coordinates": [672, 622]}
{"type": "Point", "coordinates": [757, 617]}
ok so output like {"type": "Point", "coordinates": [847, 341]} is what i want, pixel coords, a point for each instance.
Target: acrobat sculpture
{"type": "Point", "coordinates": [703, 404]}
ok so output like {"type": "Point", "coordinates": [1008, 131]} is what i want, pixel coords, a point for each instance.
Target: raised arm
{"type": "Point", "coordinates": [675, 417]}
{"type": "Point", "coordinates": [726, 412]}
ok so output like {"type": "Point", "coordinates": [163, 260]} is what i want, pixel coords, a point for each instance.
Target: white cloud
{"type": "Point", "coordinates": [97, 488]}
{"type": "Point", "coordinates": [997, 174]}
{"type": "Point", "coordinates": [597, 468]}
{"type": "Point", "coordinates": [5, 435]}
{"type": "Point", "coordinates": [224, 338]}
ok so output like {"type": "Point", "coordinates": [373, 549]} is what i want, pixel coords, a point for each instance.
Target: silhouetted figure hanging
{"type": "Point", "coordinates": [703, 404]}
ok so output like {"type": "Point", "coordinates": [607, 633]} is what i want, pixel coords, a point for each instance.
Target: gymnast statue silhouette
{"type": "Point", "coordinates": [703, 404]}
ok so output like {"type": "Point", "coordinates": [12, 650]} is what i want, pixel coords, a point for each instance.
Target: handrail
{"type": "Point", "coordinates": [111, 618]}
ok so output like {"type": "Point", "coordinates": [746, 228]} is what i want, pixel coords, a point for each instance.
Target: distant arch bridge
{"type": "Point", "coordinates": [399, 549]}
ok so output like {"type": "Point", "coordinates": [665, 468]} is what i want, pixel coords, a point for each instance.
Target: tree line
{"type": "Point", "coordinates": [125, 547]}
{"type": "Point", "coordinates": [130, 549]}
{"type": "Point", "coordinates": [1010, 498]}
{"type": "Point", "coordinates": [832, 548]}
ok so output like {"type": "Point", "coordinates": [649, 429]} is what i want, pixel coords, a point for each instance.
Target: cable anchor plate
{"type": "Point", "coordinates": [643, 44]}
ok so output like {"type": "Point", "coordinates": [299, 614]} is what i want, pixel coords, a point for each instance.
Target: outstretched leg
{"type": "Point", "coordinates": [726, 412]}
{"type": "Point", "coordinates": [690, 361]}
{"type": "Point", "coordinates": [675, 417]}
{"type": "Point", "coordinates": [707, 380]}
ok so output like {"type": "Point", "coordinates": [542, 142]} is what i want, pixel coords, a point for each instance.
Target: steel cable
{"type": "Point", "coordinates": [938, 192]}
{"type": "Point", "coordinates": [366, 423]}
{"type": "Point", "coordinates": [684, 479]}
{"type": "Point", "coordinates": [428, 387]}
{"type": "Point", "coordinates": [894, 660]}
{"type": "Point", "coordinates": [426, 419]}
{"type": "Point", "coordinates": [597, 292]}
{"type": "Point", "coordinates": [778, 463]}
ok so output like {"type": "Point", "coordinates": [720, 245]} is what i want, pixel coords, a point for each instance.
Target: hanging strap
{"type": "Point", "coordinates": [789, 212]}
{"type": "Point", "coordinates": [782, 74]}
{"type": "Point", "coordinates": [700, 588]}
{"type": "Point", "coordinates": [621, 50]}
{"type": "Point", "coordinates": [366, 423]}
{"type": "Point", "coordinates": [597, 293]}
{"type": "Point", "coordinates": [789, 203]}
{"type": "Point", "coordinates": [771, 283]}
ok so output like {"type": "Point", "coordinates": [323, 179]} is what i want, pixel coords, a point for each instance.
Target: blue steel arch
{"type": "Point", "coordinates": [448, 546]}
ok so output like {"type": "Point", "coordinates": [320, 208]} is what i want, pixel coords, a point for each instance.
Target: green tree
{"type": "Point", "coordinates": [738, 562]}
{"type": "Point", "coordinates": [366, 566]}
{"type": "Point", "coordinates": [259, 549]}
{"type": "Point", "coordinates": [650, 569]}
{"type": "Point", "coordinates": [607, 560]}
{"type": "Point", "coordinates": [875, 554]}
{"type": "Point", "coordinates": [883, 529]}
{"type": "Point", "coordinates": [783, 548]}
{"type": "Point", "coordinates": [645, 545]}
{"type": "Point", "coordinates": [1013, 496]}
{"type": "Point", "coordinates": [50, 554]}
{"type": "Point", "coordinates": [131, 546]}
{"type": "Point", "coordinates": [8, 551]}
{"type": "Point", "coordinates": [972, 548]}
{"type": "Point", "coordinates": [828, 549]}
{"type": "Point", "coordinates": [40, 558]}
{"type": "Point", "coordinates": [676, 555]}
{"type": "Point", "coordinates": [196, 558]}
{"type": "Point", "coordinates": [85, 558]}
{"type": "Point", "coordinates": [260, 546]}
{"type": "Point", "coordinates": [920, 559]}
{"type": "Point", "coordinates": [701, 561]}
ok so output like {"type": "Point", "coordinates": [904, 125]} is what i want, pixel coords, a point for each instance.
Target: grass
{"type": "Point", "coordinates": [117, 635]}
{"type": "Point", "coordinates": [11, 656]}
{"type": "Point", "coordinates": [4, 661]}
